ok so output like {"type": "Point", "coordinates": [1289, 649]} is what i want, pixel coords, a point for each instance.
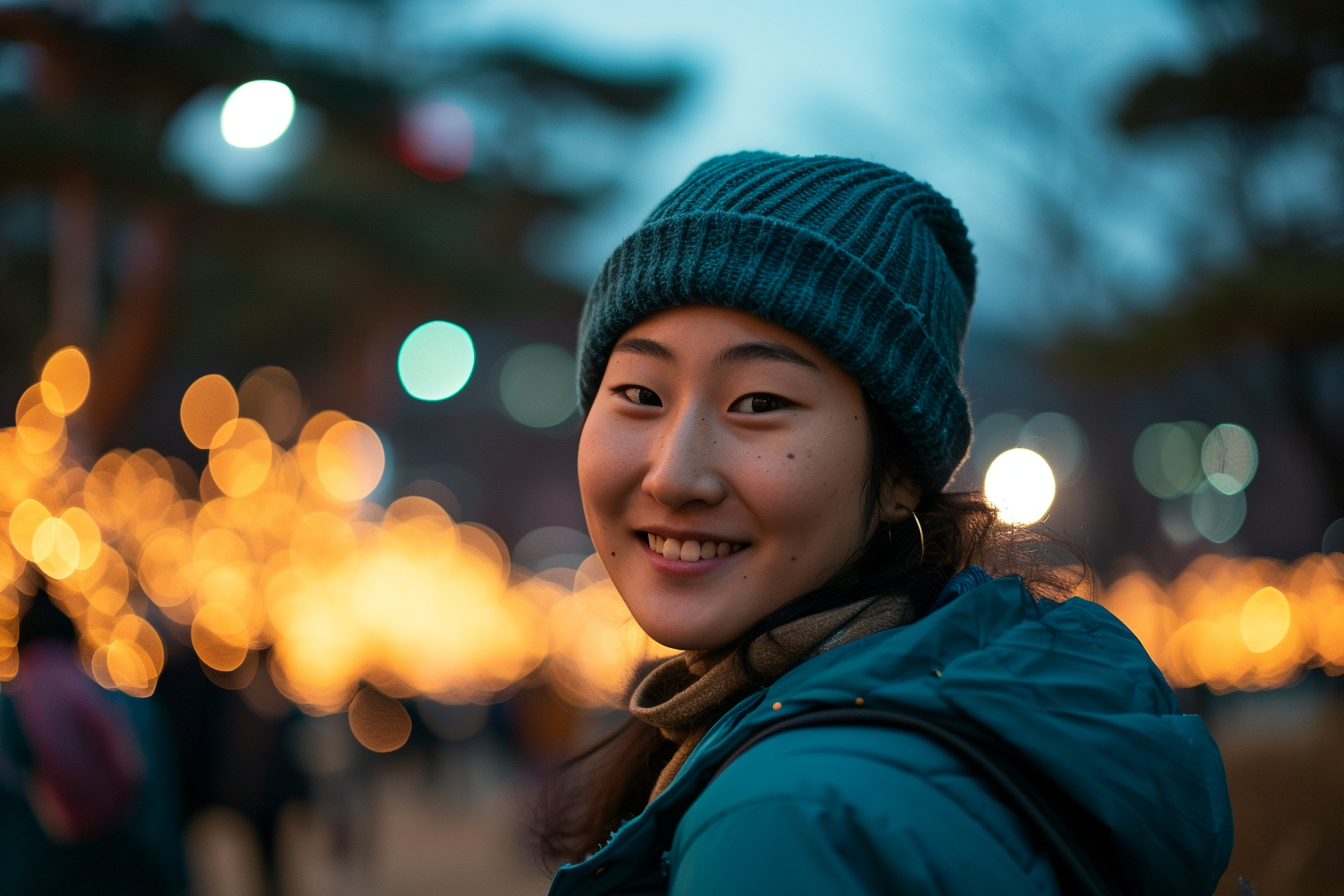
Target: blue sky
{"type": "Point", "coordinates": [994, 102]}
{"type": "Point", "coordinates": [1000, 104]}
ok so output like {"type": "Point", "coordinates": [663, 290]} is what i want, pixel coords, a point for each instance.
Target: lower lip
{"type": "Point", "coordinates": [687, 567]}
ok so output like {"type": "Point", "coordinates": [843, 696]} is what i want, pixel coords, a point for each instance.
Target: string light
{"type": "Point", "coordinates": [1238, 623]}
{"type": "Point", "coordinates": [283, 551]}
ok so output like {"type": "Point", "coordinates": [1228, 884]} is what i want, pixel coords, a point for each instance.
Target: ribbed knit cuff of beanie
{"type": "Point", "coordinates": [871, 266]}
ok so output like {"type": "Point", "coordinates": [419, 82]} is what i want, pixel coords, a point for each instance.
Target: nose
{"type": "Point", "coordinates": [683, 468]}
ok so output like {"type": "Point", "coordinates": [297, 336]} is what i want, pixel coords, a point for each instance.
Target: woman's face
{"type": "Point", "coordinates": [723, 468]}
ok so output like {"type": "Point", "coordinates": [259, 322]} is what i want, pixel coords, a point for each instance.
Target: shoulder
{"type": "Point", "coordinates": [853, 810]}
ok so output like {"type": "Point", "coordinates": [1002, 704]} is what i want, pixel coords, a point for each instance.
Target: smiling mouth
{"type": "Point", "coordinates": [689, 550]}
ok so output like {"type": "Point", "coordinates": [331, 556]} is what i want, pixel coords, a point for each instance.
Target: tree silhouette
{"type": "Point", "coordinates": [347, 234]}
{"type": "Point", "coordinates": [1268, 98]}
{"type": "Point", "coordinates": [356, 235]}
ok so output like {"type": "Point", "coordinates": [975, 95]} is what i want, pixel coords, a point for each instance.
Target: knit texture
{"type": "Point", "coordinates": [868, 264]}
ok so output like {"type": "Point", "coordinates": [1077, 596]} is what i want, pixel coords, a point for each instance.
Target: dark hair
{"type": "Point", "coordinates": [590, 795]}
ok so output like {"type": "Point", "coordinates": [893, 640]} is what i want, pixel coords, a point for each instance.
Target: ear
{"type": "Point", "coordinates": [900, 496]}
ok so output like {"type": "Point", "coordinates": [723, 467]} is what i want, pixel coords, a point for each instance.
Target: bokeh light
{"type": "Point", "coordinates": [65, 381]}
{"type": "Point", "coordinates": [594, 642]}
{"type": "Point", "coordinates": [38, 427]}
{"type": "Point", "coordinates": [1167, 458]}
{"type": "Point", "coordinates": [552, 546]}
{"type": "Point", "coordinates": [1332, 540]}
{"type": "Point", "coordinates": [1060, 440]}
{"type": "Point", "coordinates": [194, 145]}
{"type": "Point", "coordinates": [350, 460]}
{"type": "Point", "coordinates": [1238, 623]}
{"type": "Point", "coordinates": [352, 606]}
{"type": "Point", "coordinates": [207, 405]}
{"type": "Point", "coordinates": [994, 435]}
{"type": "Point", "coordinates": [1229, 458]}
{"type": "Point", "coordinates": [24, 521]}
{"type": "Point", "coordinates": [87, 533]}
{"type": "Point", "coordinates": [1265, 618]}
{"type": "Point", "coordinates": [1215, 515]}
{"type": "Point", "coordinates": [219, 636]}
{"type": "Point", "coordinates": [537, 385]}
{"type": "Point", "coordinates": [436, 361]}
{"type": "Point", "coordinates": [379, 722]}
{"type": "Point", "coordinates": [436, 140]}
{"type": "Point", "coordinates": [1176, 521]}
{"type": "Point", "coordinates": [1020, 485]}
{"type": "Point", "coordinates": [256, 113]}
{"type": "Point", "coordinates": [240, 457]}
{"type": "Point", "coordinates": [56, 548]}
{"type": "Point", "coordinates": [270, 395]}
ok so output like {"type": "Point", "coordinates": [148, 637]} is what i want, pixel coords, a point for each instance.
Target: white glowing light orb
{"type": "Point", "coordinates": [436, 361]}
{"type": "Point", "coordinates": [256, 113]}
{"type": "Point", "coordinates": [1020, 485]}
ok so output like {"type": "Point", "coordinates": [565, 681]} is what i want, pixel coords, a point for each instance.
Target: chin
{"type": "Point", "coordinates": [687, 641]}
{"type": "Point", "coordinates": [687, 634]}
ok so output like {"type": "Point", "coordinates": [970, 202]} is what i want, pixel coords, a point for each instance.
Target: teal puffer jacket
{"type": "Point", "coordinates": [1064, 688]}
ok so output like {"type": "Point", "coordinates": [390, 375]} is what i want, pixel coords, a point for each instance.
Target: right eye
{"type": "Point", "coordinates": [641, 395]}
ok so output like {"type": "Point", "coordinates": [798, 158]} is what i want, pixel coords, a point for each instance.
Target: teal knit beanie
{"type": "Point", "coordinates": [868, 264]}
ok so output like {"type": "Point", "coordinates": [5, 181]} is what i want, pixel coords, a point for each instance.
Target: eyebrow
{"type": "Point", "coordinates": [762, 351]}
{"type": "Point", "coordinates": [747, 351]}
{"type": "Point", "coordinates": [638, 346]}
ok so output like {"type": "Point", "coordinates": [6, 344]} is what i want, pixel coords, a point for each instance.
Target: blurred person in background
{"type": "Point", "coordinates": [771, 369]}
{"type": "Point", "coordinates": [88, 796]}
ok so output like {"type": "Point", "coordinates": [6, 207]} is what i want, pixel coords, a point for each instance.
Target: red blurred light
{"type": "Point", "coordinates": [435, 140]}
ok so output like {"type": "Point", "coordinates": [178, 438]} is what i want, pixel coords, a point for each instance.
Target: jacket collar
{"type": "Point", "coordinates": [635, 855]}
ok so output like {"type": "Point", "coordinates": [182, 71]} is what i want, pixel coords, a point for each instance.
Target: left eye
{"type": "Point", "coordinates": [758, 403]}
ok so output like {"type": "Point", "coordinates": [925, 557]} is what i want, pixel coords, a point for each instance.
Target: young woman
{"type": "Point", "coordinates": [771, 370]}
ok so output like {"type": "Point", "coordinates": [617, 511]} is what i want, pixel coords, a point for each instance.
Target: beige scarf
{"type": "Point", "coordinates": [686, 694]}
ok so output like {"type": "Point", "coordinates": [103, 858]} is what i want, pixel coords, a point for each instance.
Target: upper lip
{"type": "Point", "coordinates": [689, 534]}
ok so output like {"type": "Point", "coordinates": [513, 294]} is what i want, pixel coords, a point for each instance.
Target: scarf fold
{"type": "Point", "coordinates": [686, 694]}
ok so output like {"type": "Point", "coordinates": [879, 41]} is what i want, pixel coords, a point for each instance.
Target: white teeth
{"type": "Point", "coordinates": [689, 550]}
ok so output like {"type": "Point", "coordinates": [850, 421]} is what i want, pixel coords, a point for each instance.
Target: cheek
{"type": "Point", "coordinates": [609, 473]}
{"type": "Point", "coordinates": [815, 496]}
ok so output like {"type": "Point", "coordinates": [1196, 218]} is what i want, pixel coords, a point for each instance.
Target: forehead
{"type": "Point", "coordinates": [694, 330]}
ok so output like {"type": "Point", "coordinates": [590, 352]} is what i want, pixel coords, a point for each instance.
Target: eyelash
{"type": "Point", "coordinates": [642, 395]}
{"type": "Point", "coordinates": [778, 402]}
{"type": "Point", "coordinates": [640, 392]}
